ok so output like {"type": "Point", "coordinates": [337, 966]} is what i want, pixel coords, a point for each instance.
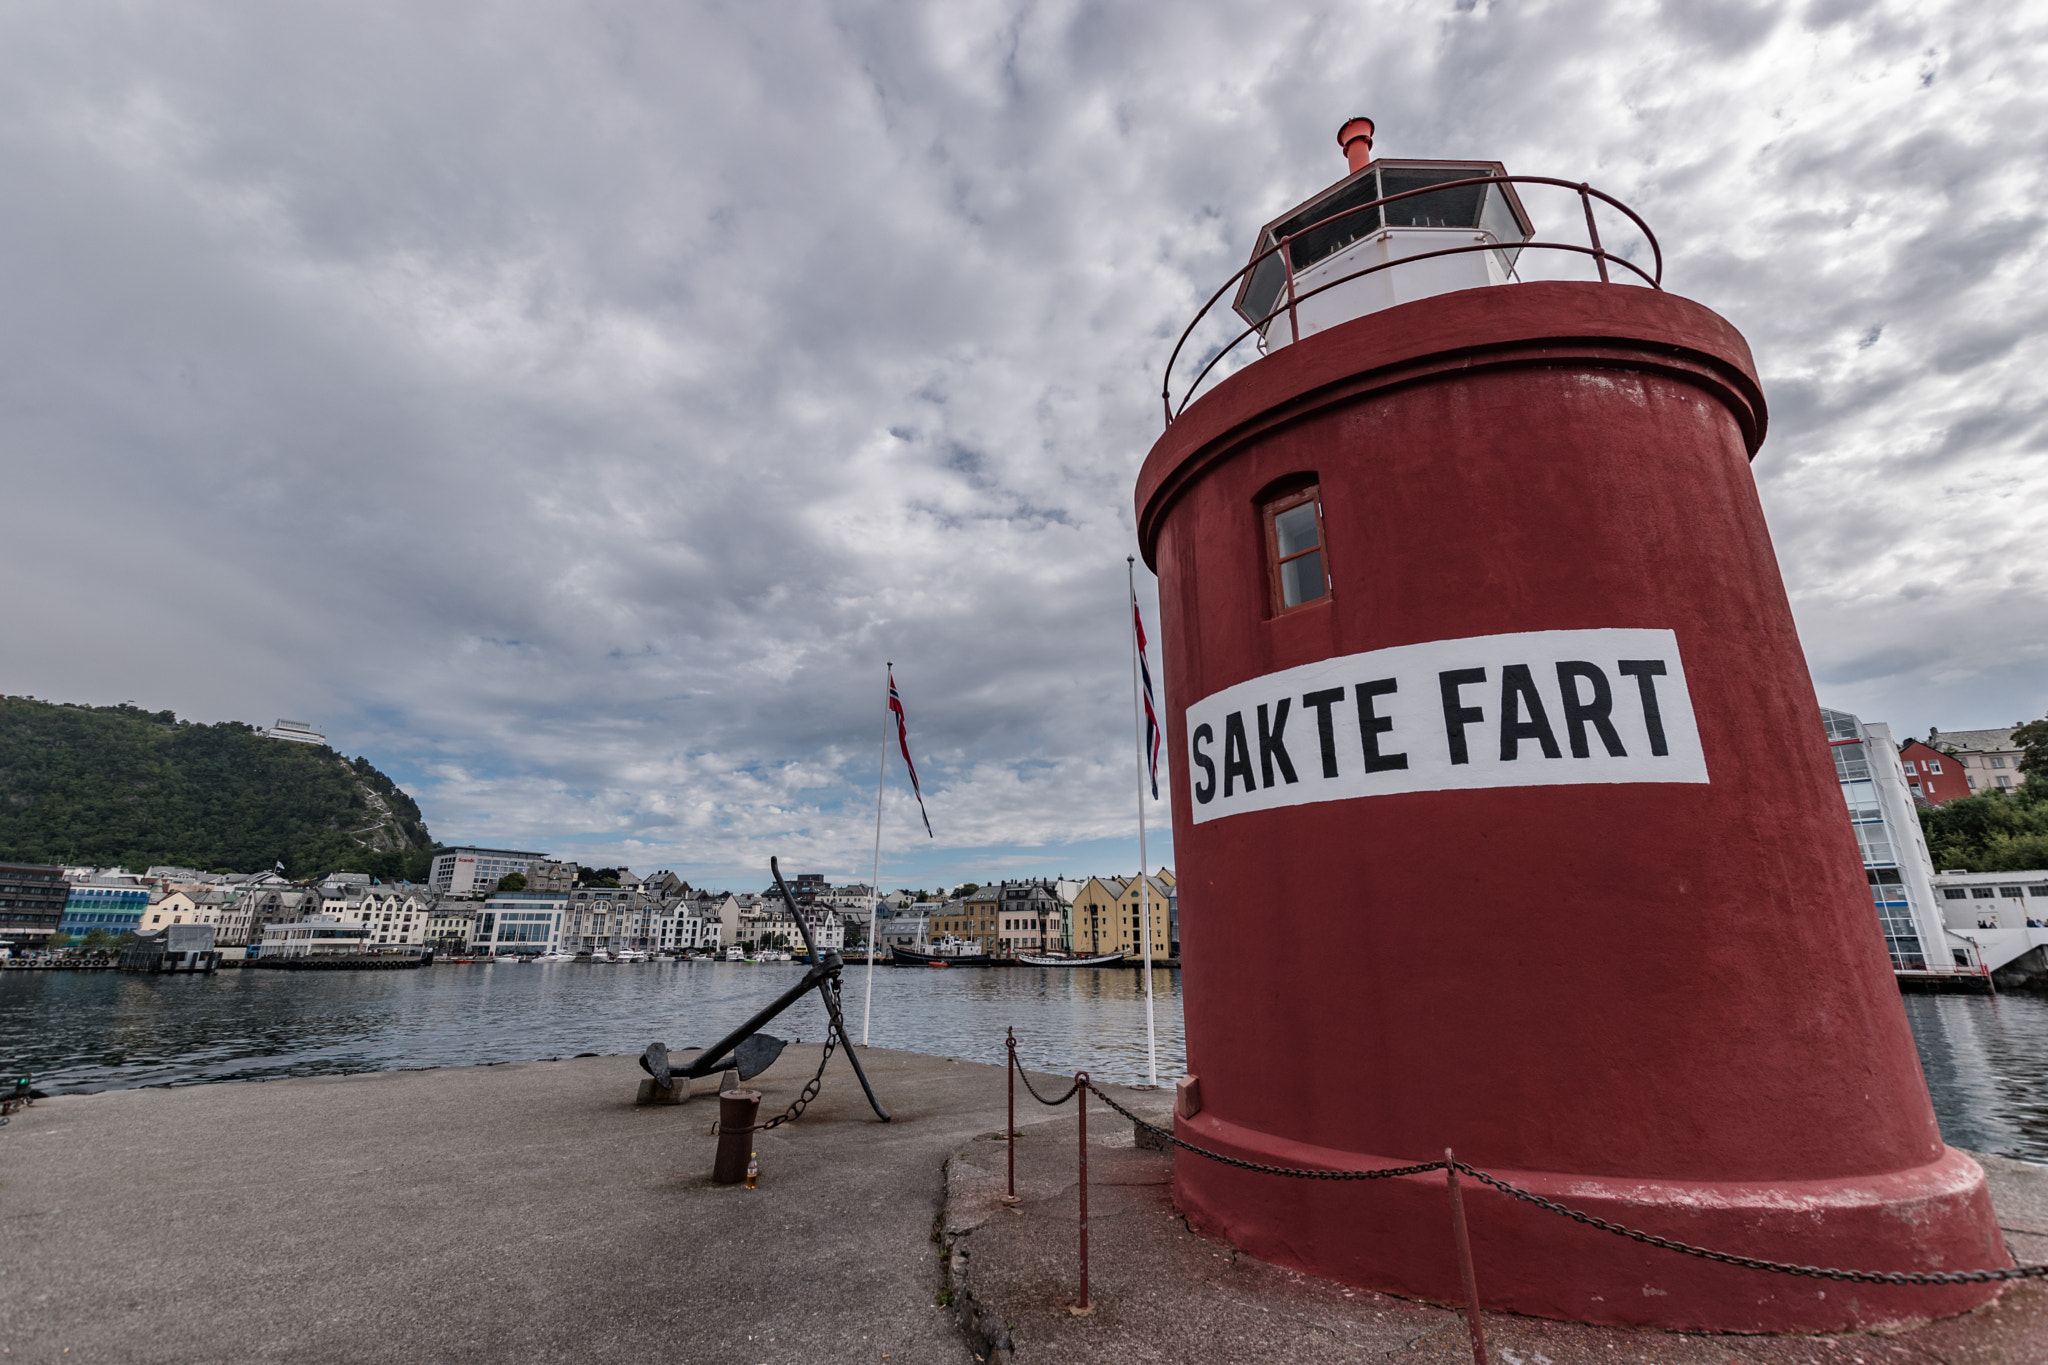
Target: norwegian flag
{"type": "Point", "coordinates": [1151, 715]}
{"type": "Point", "coordinates": [903, 741]}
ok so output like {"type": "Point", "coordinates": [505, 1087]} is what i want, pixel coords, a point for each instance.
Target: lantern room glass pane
{"type": "Point", "coordinates": [1457, 208]}
{"type": "Point", "coordinates": [1301, 580]}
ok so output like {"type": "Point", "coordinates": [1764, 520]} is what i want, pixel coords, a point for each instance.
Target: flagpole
{"type": "Point", "coordinates": [875, 887]}
{"type": "Point", "coordinates": [1144, 881]}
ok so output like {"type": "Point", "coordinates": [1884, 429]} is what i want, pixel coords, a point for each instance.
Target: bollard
{"type": "Point", "coordinates": [736, 1111]}
{"type": "Point", "coordinates": [1081, 1103]}
{"type": "Point", "coordinates": [1010, 1132]}
{"type": "Point", "coordinates": [1464, 1241]}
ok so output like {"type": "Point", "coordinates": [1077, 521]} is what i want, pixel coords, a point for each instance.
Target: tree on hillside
{"type": "Point", "coordinates": [512, 881]}
{"type": "Point", "coordinates": [1992, 831]}
{"type": "Point", "coordinates": [2033, 738]}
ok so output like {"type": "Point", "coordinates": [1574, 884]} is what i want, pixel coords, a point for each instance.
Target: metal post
{"type": "Point", "coordinates": [1010, 1132]}
{"type": "Point", "coordinates": [875, 900]}
{"type": "Point", "coordinates": [1081, 1100]}
{"type": "Point", "coordinates": [1472, 1323]}
{"type": "Point", "coordinates": [736, 1112]}
{"type": "Point", "coordinates": [1287, 264]}
{"type": "Point", "coordinates": [1593, 232]}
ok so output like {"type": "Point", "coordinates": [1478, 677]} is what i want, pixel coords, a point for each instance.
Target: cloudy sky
{"type": "Point", "coordinates": [571, 407]}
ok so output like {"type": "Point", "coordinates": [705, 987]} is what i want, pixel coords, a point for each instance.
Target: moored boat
{"type": "Point", "coordinates": [1041, 960]}
{"type": "Point", "coordinates": [948, 951]}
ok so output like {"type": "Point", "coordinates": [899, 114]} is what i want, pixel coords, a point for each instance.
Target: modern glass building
{"type": "Point", "coordinates": [114, 909]}
{"type": "Point", "coordinates": [1895, 859]}
{"type": "Point", "coordinates": [524, 923]}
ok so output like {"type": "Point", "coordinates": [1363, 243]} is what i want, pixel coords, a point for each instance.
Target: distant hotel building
{"type": "Point", "coordinates": [32, 900]}
{"type": "Point", "coordinates": [1895, 858]}
{"type": "Point", "coordinates": [295, 730]}
{"type": "Point", "coordinates": [476, 871]}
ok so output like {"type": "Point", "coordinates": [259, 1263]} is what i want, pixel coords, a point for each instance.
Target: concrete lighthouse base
{"type": "Point", "coordinates": [1395, 1236]}
{"type": "Point", "coordinates": [1638, 972]}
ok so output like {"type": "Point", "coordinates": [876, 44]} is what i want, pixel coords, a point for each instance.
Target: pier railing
{"type": "Point", "coordinates": [1453, 1170]}
{"type": "Point", "coordinates": [1291, 300]}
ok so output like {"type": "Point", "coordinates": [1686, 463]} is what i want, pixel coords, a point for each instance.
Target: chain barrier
{"type": "Point", "coordinates": [1892, 1277]}
{"type": "Point", "coordinates": [804, 1096]}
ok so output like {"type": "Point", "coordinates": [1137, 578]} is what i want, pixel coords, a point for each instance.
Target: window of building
{"type": "Point", "coordinates": [2012, 892]}
{"type": "Point", "coordinates": [1294, 548]}
{"type": "Point", "coordinates": [1983, 893]}
{"type": "Point", "coordinates": [1997, 762]}
{"type": "Point", "coordinates": [1955, 893]}
{"type": "Point", "coordinates": [1933, 765]}
{"type": "Point", "coordinates": [2004, 781]}
{"type": "Point", "coordinates": [1908, 764]}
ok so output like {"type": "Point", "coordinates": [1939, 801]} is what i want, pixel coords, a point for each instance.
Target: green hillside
{"type": "Point", "coordinates": [120, 785]}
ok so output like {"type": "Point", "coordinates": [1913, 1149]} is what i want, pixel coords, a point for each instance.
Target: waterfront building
{"type": "Point", "coordinates": [1993, 900]}
{"type": "Point", "coordinates": [1030, 918]}
{"type": "Point", "coordinates": [548, 875]}
{"type": "Point", "coordinates": [1931, 775]}
{"type": "Point", "coordinates": [524, 923]}
{"type": "Point", "coordinates": [108, 909]}
{"type": "Point", "coordinates": [1895, 858]}
{"type": "Point", "coordinates": [397, 913]}
{"type": "Point", "coordinates": [451, 928]}
{"type": "Point", "coordinates": [297, 731]}
{"type": "Point", "coordinates": [476, 871]}
{"type": "Point", "coordinates": [268, 899]}
{"type": "Point", "coordinates": [318, 935]}
{"type": "Point", "coordinates": [1990, 758]}
{"type": "Point", "coordinates": [167, 908]}
{"type": "Point", "coordinates": [32, 900]}
{"type": "Point", "coordinates": [1107, 911]}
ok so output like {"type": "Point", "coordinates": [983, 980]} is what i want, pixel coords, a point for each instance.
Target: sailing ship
{"type": "Point", "coordinates": [1047, 960]}
{"type": "Point", "coordinates": [948, 951]}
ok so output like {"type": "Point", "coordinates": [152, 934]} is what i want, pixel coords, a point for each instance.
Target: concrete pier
{"type": "Point", "coordinates": [533, 1213]}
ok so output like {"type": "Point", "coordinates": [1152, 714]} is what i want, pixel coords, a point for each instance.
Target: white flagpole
{"type": "Point", "coordinates": [875, 887]}
{"type": "Point", "coordinates": [1144, 880]}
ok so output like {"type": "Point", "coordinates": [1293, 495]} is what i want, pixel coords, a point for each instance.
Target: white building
{"type": "Point", "coordinates": [1895, 857]}
{"type": "Point", "coordinates": [319, 935]}
{"type": "Point", "coordinates": [476, 871]}
{"type": "Point", "coordinates": [524, 923]}
{"type": "Point", "coordinates": [398, 914]}
{"type": "Point", "coordinates": [295, 730]}
{"type": "Point", "coordinates": [1990, 759]}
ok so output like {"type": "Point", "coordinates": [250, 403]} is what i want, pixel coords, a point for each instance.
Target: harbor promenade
{"type": "Point", "coordinates": [531, 1212]}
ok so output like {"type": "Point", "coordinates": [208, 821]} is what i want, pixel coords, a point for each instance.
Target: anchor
{"type": "Point", "coordinates": [749, 1051]}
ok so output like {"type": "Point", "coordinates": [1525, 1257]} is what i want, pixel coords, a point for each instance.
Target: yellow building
{"type": "Point", "coordinates": [1107, 911]}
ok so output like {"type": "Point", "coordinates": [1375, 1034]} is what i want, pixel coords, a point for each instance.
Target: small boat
{"type": "Point", "coordinates": [507, 957]}
{"type": "Point", "coordinates": [735, 954]}
{"type": "Point", "coordinates": [556, 957]}
{"type": "Point", "coordinates": [1099, 960]}
{"type": "Point", "coordinates": [948, 951]}
{"type": "Point", "coordinates": [630, 955]}
{"type": "Point", "coordinates": [940, 965]}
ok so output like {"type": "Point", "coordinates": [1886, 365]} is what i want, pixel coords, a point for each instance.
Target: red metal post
{"type": "Point", "coordinates": [1472, 1323]}
{"type": "Point", "coordinates": [1593, 233]}
{"type": "Point", "coordinates": [1081, 1101]}
{"type": "Point", "coordinates": [1287, 264]}
{"type": "Point", "coordinates": [736, 1112]}
{"type": "Point", "coordinates": [1010, 1132]}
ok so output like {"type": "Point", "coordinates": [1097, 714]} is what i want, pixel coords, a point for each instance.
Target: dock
{"type": "Point", "coordinates": [531, 1212]}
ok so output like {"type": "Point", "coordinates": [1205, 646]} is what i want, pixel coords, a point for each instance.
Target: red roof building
{"type": "Point", "coordinates": [1933, 776]}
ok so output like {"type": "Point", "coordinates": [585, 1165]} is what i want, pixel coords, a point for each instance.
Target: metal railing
{"type": "Point", "coordinates": [1283, 248]}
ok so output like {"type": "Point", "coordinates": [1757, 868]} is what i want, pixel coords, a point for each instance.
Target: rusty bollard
{"type": "Point", "coordinates": [736, 1111]}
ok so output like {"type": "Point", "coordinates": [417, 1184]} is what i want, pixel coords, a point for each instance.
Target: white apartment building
{"type": "Point", "coordinates": [296, 731]}
{"type": "Point", "coordinates": [476, 871]}
{"type": "Point", "coordinates": [1993, 900]}
{"type": "Point", "coordinates": [318, 935]}
{"type": "Point", "coordinates": [1990, 759]}
{"type": "Point", "coordinates": [1895, 857]}
{"type": "Point", "coordinates": [396, 914]}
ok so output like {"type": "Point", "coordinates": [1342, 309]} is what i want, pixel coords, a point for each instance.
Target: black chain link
{"type": "Point", "coordinates": [1051, 1104]}
{"type": "Point", "coordinates": [1814, 1272]}
{"type": "Point", "coordinates": [812, 1086]}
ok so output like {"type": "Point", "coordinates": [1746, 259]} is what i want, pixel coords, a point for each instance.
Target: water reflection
{"type": "Point", "coordinates": [1985, 1060]}
{"type": "Point", "coordinates": [83, 1031]}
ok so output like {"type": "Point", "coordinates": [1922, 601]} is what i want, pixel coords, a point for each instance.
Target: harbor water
{"type": "Point", "coordinates": [1986, 1058]}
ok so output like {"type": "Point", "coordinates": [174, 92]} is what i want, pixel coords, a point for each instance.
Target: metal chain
{"type": "Point", "coordinates": [1915, 1277]}
{"type": "Point", "coordinates": [1386, 1173]}
{"type": "Point", "coordinates": [1050, 1104]}
{"type": "Point", "coordinates": [812, 1086]}
{"type": "Point", "coordinates": [1896, 1277]}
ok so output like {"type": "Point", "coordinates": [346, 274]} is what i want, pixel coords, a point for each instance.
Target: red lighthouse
{"type": "Point", "coordinates": [1466, 588]}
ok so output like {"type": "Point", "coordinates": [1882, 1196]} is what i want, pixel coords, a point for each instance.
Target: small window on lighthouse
{"type": "Point", "coordinates": [1294, 541]}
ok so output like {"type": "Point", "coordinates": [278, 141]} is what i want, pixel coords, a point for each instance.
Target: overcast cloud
{"type": "Point", "coordinates": [572, 407]}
